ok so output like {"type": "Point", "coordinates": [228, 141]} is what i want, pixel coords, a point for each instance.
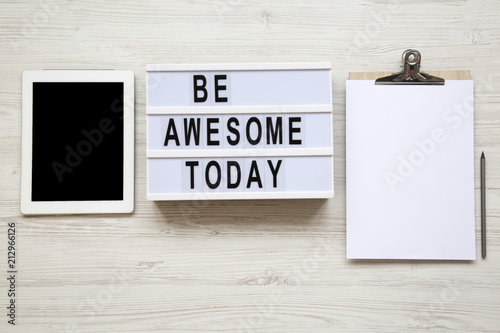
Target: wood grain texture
{"type": "Point", "coordinates": [241, 266]}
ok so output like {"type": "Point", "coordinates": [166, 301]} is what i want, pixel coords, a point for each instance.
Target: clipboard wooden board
{"type": "Point", "coordinates": [447, 75]}
{"type": "Point", "coordinates": [407, 197]}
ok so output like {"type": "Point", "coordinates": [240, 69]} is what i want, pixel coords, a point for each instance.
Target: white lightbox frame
{"type": "Point", "coordinates": [237, 110]}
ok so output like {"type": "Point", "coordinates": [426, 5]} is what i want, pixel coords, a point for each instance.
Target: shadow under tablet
{"type": "Point", "coordinates": [77, 141]}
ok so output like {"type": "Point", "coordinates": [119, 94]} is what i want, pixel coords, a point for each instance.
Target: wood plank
{"type": "Point", "coordinates": [241, 266]}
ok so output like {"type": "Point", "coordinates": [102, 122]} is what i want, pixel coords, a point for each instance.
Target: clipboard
{"type": "Point", "coordinates": [428, 213]}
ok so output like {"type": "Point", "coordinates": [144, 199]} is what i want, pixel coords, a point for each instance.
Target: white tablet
{"type": "Point", "coordinates": [77, 142]}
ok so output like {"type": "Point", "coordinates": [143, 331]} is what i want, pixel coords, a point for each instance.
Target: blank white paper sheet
{"type": "Point", "coordinates": [410, 171]}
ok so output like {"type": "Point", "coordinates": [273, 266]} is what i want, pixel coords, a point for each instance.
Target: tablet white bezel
{"type": "Point", "coordinates": [29, 207]}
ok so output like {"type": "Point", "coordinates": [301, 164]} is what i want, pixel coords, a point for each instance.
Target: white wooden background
{"type": "Point", "coordinates": [243, 266]}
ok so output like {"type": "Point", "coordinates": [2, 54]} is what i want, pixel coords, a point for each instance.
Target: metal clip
{"type": "Point", "coordinates": [411, 72]}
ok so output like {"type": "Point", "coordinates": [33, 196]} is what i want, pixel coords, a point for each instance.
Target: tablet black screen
{"type": "Point", "coordinates": [77, 141]}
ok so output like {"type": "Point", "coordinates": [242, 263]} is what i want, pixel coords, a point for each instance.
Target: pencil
{"type": "Point", "coordinates": [483, 205]}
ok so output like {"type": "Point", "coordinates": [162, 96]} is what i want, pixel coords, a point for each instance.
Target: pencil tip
{"type": "Point", "coordinates": [482, 155]}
